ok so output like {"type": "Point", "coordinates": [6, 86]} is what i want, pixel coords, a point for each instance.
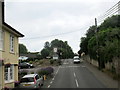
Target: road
{"type": "Point", "coordinates": [70, 75]}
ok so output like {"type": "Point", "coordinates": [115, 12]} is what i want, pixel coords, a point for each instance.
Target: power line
{"type": "Point", "coordinates": [112, 11]}
{"type": "Point", "coordinates": [59, 34]}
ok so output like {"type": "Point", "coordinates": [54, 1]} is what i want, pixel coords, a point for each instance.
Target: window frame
{"type": "Point", "coordinates": [2, 39]}
{"type": "Point", "coordinates": [9, 77]}
{"type": "Point", "coordinates": [12, 43]}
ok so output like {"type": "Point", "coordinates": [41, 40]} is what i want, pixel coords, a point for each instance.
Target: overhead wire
{"type": "Point", "coordinates": [113, 10]}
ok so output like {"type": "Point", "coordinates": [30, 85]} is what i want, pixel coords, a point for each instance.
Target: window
{"type": "Point", "coordinates": [28, 79]}
{"type": "Point", "coordinates": [1, 39]}
{"type": "Point", "coordinates": [11, 43]}
{"type": "Point", "coordinates": [37, 77]}
{"type": "Point", "coordinates": [9, 73]}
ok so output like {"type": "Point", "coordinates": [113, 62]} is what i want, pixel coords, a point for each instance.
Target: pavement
{"type": "Point", "coordinates": [82, 75]}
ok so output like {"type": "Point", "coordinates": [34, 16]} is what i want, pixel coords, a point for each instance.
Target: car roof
{"type": "Point", "coordinates": [30, 75]}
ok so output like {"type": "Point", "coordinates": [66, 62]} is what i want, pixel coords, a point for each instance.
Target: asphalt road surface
{"type": "Point", "coordinates": [70, 75]}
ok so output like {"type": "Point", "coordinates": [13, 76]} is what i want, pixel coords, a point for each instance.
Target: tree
{"type": "Point", "coordinates": [64, 50]}
{"type": "Point", "coordinates": [47, 45]}
{"type": "Point", "coordinates": [108, 39]}
{"type": "Point", "coordinates": [22, 49]}
{"type": "Point", "coordinates": [44, 53]}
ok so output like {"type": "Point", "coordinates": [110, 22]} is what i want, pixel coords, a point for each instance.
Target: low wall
{"type": "Point", "coordinates": [91, 61]}
{"type": "Point", "coordinates": [109, 65]}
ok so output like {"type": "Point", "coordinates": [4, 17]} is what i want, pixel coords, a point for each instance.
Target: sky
{"type": "Point", "coordinates": [46, 20]}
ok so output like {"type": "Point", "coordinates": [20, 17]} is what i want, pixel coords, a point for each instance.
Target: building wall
{"type": "Point", "coordinates": [1, 74]}
{"type": "Point", "coordinates": [9, 57]}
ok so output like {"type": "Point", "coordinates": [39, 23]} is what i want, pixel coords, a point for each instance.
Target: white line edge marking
{"type": "Point", "coordinates": [48, 86]}
{"type": "Point", "coordinates": [77, 83]}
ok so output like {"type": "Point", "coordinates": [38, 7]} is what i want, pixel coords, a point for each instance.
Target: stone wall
{"type": "Point", "coordinates": [115, 65]}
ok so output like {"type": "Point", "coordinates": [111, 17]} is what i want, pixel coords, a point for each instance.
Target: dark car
{"type": "Point", "coordinates": [25, 65]}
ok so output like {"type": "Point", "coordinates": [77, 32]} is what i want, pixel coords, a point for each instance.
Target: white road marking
{"type": "Point", "coordinates": [65, 63]}
{"type": "Point", "coordinates": [83, 66]}
{"type": "Point", "coordinates": [74, 75]}
{"type": "Point", "coordinates": [77, 83]}
{"type": "Point", "coordinates": [53, 79]}
{"type": "Point", "coordinates": [69, 66]}
{"type": "Point", "coordinates": [48, 86]}
{"type": "Point", "coordinates": [58, 69]}
{"type": "Point", "coordinates": [51, 82]}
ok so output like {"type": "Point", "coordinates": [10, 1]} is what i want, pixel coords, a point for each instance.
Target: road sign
{"type": "Point", "coordinates": [55, 49]}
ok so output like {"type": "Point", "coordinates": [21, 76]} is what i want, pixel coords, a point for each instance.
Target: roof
{"type": "Point", "coordinates": [30, 75]}
{"type": "Point", "coordinates": [11, 29]}
{"type": "Point", "coordinates": [30, 55]}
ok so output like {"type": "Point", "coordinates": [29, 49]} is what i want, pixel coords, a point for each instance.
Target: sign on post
{"type": "Point", "coordinates": [55, 50]}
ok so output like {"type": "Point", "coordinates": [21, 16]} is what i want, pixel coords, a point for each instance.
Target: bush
{"type": "Point", "coordinates": [22, 73]}
{"type": "Point", "coordinates": [30, 62]}
{"type": "Point", "coordinates": [40, 62]}
{"type": "Point", "coordinates": [59, 62]}
{"type": "Point", "coordinates": [32, 72]}
{"type": "Point", "coordinates": [46, 71]}
{"type": "Point", "coordinates": [51, 61]}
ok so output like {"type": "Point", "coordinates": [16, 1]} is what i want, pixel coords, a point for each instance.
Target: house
{"type": "Point", "coordinates": [29, 56]}
{"type": "Point", "coordinates": [9, 52]}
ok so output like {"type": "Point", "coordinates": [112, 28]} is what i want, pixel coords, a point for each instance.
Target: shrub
{"type": "Point", "coordinates": [46, 71]}
{"type": "Point", "coordinates": [32, 72]}
{"type": "Point", "coordinates": [50, 70]}
{"type": "Point", "coordinates": [51, 61]}
{"type": "Point", "coordinates": [23, 72]}
{"type": "Point", "coordinates": [40, 62]}
{"type": "Point", "coordinates": [59, 62]}
{"type": "Point", "coordinates": [30, 62]}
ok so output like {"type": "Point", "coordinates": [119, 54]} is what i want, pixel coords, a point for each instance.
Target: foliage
{"type": "Point", "coordinates": [105, 43]}
{"type": "Point", "coordinates": [64, 50]}
{"type": "Point", "coordinates": [22, 49]}
{"type": "Point", "coordinates": [51, 61]}
{"type": "Point", "coordinates": [46, 71]}
{"type": "Point", "coordinates": [44, 53]}
{"type": "Point", "coordinates": [41, 62]}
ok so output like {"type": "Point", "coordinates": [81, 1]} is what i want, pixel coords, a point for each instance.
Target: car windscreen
{"type": "Point", "coordinates": [29, 79]}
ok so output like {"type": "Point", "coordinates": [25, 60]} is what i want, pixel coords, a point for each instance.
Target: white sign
{"type": "Point", "coordinates": [55, 49]}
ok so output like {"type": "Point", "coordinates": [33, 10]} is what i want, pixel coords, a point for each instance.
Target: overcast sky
{"type": "Point", "coordinates": [46, 20]}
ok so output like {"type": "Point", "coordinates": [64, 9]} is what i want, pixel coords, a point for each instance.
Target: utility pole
{"type": "Point", "coordinates": [97, 53]}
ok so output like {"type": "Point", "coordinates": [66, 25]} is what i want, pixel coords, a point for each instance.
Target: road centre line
{"type": "Point", "coordinates": [76, 82]}
{"type": "Point", "coordinates": [53, 79]}
{"type": "Point", "coordinates": [51, 82]}
{"type": "Point", "coordinates": [74, 75]}
{"type": "Point", "coordinates": [48, 86]}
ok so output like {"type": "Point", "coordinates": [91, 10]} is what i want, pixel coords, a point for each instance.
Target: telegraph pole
{"type": "Point", "coordinates": [97, 54]}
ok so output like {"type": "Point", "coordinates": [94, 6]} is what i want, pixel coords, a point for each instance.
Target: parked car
{"type": "Point", "coordinates": [25, 65]}
{"type": "Point", "coordinates": [31, 65]}
{"type": "Point", "coordinates": [31, 81]}
{"type": "Point", "coordinates": [76, 59]}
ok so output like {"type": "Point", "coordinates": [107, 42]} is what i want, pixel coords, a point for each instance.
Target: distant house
{"type": "Point", "coordinates": [9, 52]}
{"type": "Point", "coordinates": [30, 56]}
